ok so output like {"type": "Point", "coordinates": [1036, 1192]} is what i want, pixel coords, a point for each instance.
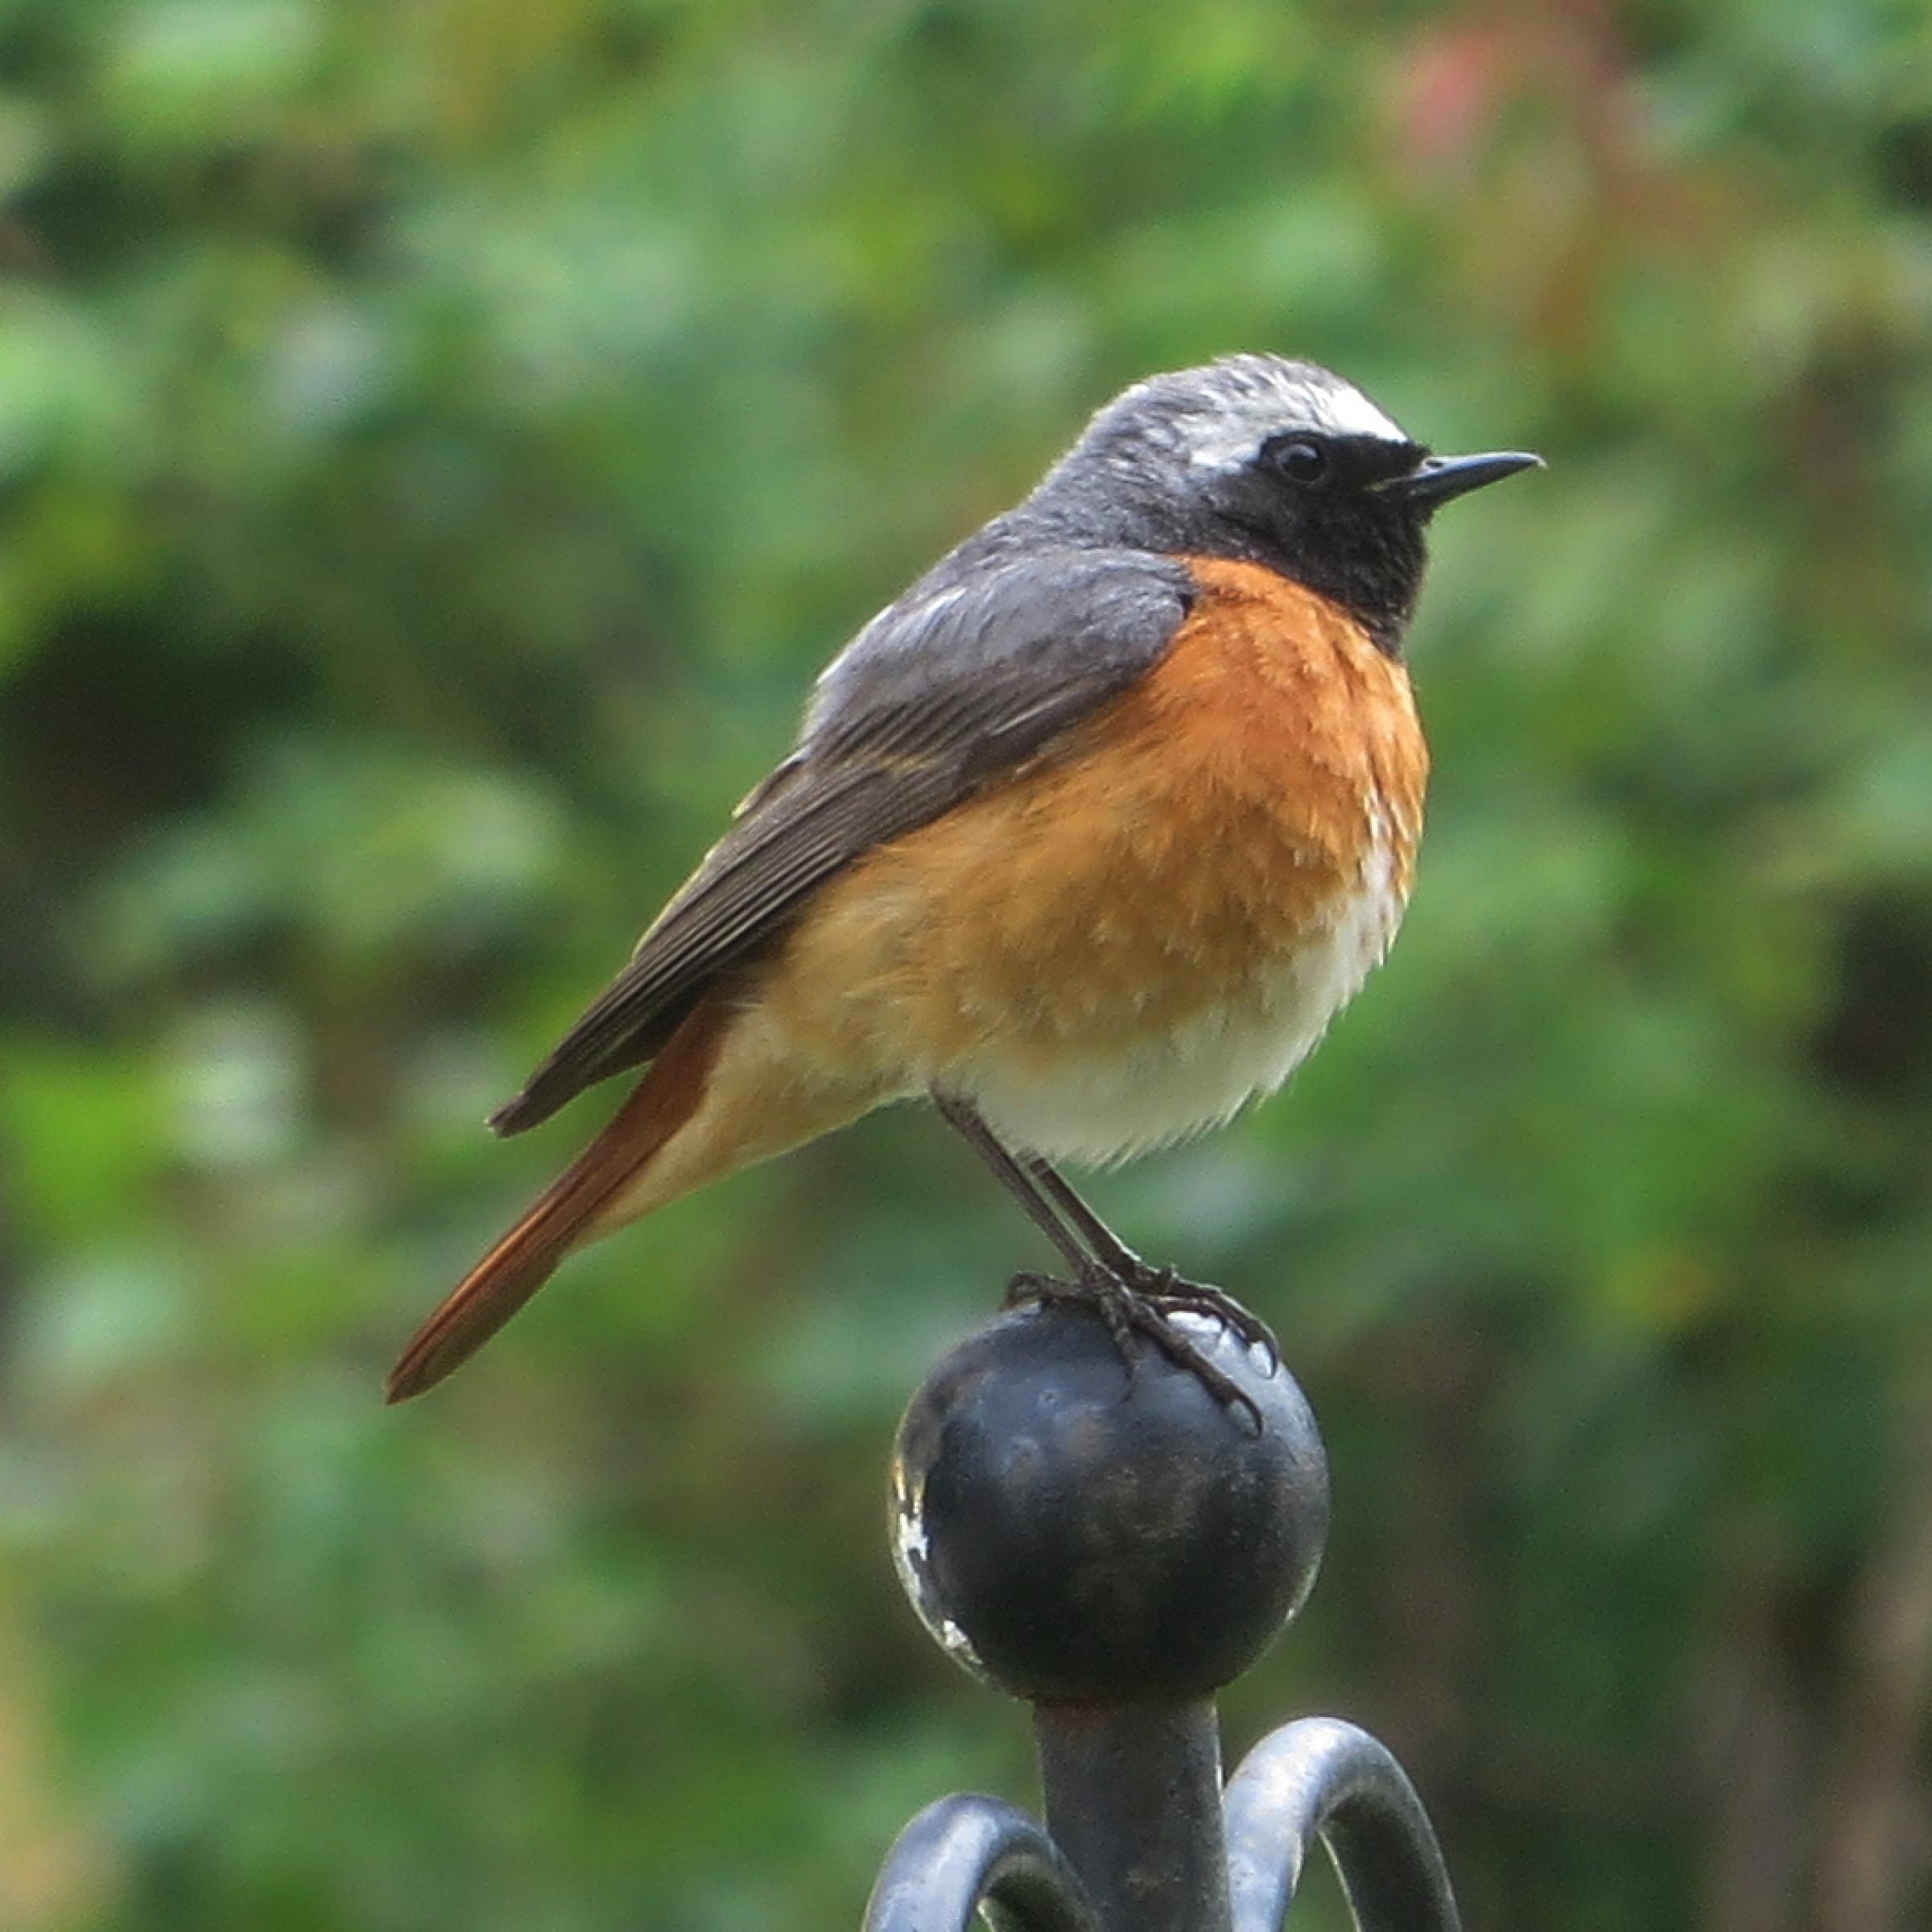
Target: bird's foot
{"type": "Point", "coordinates": [1133, 1314]}
{"type": "Point", "coordinates": [1173, 1294]}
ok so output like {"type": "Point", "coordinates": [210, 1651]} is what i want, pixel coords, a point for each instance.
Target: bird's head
{"type": "Point", "coordinates": [1269, 461]}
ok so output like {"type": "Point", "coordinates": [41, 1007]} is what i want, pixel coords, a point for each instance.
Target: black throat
{"type": "Point", "coordinates": [1370, 565]}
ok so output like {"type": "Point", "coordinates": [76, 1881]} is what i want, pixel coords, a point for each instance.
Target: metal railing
{"type": "Point", "coordinates": [1115, 1559]}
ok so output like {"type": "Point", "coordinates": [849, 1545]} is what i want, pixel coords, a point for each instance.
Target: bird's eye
{"type": "Point", "coordinates": [1300, 460]}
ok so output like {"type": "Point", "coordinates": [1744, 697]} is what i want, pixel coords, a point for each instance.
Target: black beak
{"type": "Point", "coordinates": [1436, 479]}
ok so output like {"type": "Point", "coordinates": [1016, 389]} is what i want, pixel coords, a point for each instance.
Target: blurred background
{"type": "Point", "coordinates": [440, 439]}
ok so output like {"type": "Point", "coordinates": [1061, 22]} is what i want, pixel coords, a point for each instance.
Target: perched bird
{"type": "Point", "coordinates": [1086, 838]}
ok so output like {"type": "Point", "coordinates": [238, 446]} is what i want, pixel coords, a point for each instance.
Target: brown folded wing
{"type": "Point", "coordinates": [965, 677]}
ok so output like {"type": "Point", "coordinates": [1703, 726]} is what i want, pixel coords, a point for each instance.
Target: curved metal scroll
{"type": "Point", "coordinates": [1321, 1777]}
{"type": "Point", "coordinates": [962, 1853]}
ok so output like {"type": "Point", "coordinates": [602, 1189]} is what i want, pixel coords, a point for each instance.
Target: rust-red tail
{"type": "Point", "coordinates": [527, 1255]}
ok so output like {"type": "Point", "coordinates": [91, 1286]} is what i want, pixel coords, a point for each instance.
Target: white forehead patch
{"type": "Point", "coordinates": [1260, 399]}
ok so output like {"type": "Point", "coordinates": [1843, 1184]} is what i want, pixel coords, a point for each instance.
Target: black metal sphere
{"type": "Point", "coordinates": [1073, 1536]}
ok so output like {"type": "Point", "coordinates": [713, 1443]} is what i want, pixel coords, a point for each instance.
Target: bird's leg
{"type": "Point", "coordinates": [1167, 1289]}
{"type": "Point", "coordinates": [965, 1121]}
{"type": "Point", "coordinates": [1132, 1298]}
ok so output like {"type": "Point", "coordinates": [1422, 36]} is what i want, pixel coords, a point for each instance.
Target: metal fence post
{"type": "Point", "coordinates": [1115, 1551]}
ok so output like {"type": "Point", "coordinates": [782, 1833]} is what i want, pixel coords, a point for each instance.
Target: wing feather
{"type": "Point", "coordinates": [940, 692]}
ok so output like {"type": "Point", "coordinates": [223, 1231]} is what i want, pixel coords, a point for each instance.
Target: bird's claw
{"type": "Point", "coordinates": [1136, 1309]}
{"type": "Point", "coordinates": [1171, 1294]}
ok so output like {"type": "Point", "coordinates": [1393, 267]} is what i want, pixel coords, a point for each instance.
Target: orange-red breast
{"type": "Point", "coordinates": [1087, 837]}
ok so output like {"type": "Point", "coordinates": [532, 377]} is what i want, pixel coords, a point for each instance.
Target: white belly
{"type": "Point", "coordinates": [1139, 1090]}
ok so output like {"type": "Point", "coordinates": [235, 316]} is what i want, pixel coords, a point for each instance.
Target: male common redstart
{"type": "Point", "coordinates": [1086, 838]}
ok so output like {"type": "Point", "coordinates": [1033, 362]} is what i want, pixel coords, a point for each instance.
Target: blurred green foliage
{"type": "Point", "coordinates": [440, 439]}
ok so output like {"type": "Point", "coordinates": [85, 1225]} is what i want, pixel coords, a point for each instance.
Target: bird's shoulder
{"type": "Point", "coordinates": [1003, 610]}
